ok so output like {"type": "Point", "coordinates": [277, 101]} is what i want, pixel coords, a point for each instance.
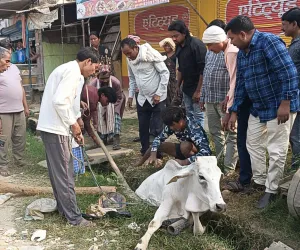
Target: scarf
{"type": "Point", "coordinates": [148, 54]}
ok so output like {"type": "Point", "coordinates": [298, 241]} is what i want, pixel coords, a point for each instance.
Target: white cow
{"type": "Point", "coordinates": [185, 192]}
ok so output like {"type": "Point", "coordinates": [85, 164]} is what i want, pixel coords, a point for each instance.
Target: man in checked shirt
{"type": "Point", "coordinates": [267, 75]}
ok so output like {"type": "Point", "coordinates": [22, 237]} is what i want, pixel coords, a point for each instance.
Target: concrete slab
{"type": "Point", "coordinates": [99, 156]}
{"type": "Point", "coordinates": [278, 246]}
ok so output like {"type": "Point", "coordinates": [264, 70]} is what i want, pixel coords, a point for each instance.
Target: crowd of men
{"type": "Point", "coordinates": [248, 83]}
{"type": "Point", "coordinates": [246, 80]}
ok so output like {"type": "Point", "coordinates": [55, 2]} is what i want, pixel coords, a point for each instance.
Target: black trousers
{"type": "Point", "coordinates": [149, 115]}
{"type": "Point", "coordinates": [245, 162]}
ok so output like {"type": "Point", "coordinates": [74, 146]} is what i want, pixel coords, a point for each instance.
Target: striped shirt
{"type": "Point", "coordinates": [215, 78]}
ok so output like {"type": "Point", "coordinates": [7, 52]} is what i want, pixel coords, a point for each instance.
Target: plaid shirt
{"type": "Point", "coordinates": [267, 75]}
{"type": "Point", "coordinates": [215, 78]}
{"type": "Point", "coordinates": [193, 132]}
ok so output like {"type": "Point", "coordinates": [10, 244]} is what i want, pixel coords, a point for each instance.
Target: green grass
{"type": "Point", "coordinates": [243, 227]}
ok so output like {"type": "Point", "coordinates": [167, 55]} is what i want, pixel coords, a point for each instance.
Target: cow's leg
{"type": "Point", "coordinates": [198, 228]}
{"type": "Point", "coordinates": [160, 215]}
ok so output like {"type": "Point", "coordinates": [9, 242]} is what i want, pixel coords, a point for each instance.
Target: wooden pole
{"type": "Point", "coordinates": [30, 190]}
{"type": "Point", "coordinates": [114, 166]}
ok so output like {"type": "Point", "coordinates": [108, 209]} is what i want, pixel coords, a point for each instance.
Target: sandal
{"type": "Point", "coordinates": [235, 186]}
{"type": "Point", "coordinates": [4, 172]}
{"type": "Point", "coordinates": [86, 223]}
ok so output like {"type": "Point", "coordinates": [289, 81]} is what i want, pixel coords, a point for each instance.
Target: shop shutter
{"type": "Point", "coordinates": [267, 21]}
{"type": "Point", "coordinates": [172, 9]}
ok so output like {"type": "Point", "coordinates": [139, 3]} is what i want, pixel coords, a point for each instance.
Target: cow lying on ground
{"type": "Point", "coordinates": [185, 192]}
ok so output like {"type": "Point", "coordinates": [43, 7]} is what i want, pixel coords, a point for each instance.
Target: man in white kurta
{"type": "Point", "coordinates": [57, 121]}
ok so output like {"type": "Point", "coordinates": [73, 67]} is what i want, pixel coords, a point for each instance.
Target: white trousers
{"type": "Point", "coordinates": [274, 138]}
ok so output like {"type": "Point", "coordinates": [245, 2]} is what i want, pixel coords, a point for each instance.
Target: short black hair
{"type": "Point", "coordinates": [173, 114]}
{"type": "Point", "coordinates": [128, 41]}
{"type": "Point", "coordinates": [239, 24]}
{"type": "Point", "coordinates": [95, 33]}
{"type": "Point", "coordinates": [88, 53]}
{"type": "Point", "coordinates": [179, 26]}
{"type": "Point", "coordinates": [5, 43]}
{"type": "Point", "coordinates": [292, 15]}
{"type": "Point", "coordinates": [217, 22]}
{"type": "Point", "coordinates": [109, 92]}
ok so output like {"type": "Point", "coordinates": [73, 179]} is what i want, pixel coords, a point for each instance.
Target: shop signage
{"type": "Point", "coordinates": [92, 8]}
{"type": "Point", "coordinates": [152, 24]}
{"type": "Point", "coordinates": [266, 14]}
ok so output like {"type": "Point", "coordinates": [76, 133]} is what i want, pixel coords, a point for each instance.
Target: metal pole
{"type": "Point", "coordinates": [103, 25]}
{"type": "Point", "coordinates": [194, 8]}
{"type": "Point", "coordinates": [62, 20]}
{"type": "Point", "coordinates": [83, 32]}
{"type": "Point", "coordinates": [89, 31]}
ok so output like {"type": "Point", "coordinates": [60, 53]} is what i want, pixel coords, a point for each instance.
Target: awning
{"type": "Point", "coordinates": [44, 6]}
{"type": "Point", "coordinates": [10, 7]}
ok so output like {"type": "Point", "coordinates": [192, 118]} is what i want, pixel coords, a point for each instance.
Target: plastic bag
{"type": "Point", "coordinates": [35, 210]}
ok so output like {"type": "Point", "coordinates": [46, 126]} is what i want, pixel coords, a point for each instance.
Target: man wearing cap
{"type": "Point", "coordinates": [218, 81]}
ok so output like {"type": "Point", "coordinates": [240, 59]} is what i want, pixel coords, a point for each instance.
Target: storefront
{"type": "Point", "coordinates": [266, 14]}
{"type": "Point", "coordinates": [151, 24]}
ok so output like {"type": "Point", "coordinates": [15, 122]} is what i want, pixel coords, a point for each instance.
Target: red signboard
{"type": "Point", "coordinates": [266, 14]}
{"type": "Point", "coordinates": [152, 24]}
{"type": "Point", "coordinates": [91, 8]}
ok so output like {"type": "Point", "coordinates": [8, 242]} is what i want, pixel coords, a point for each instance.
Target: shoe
{"type": "Point", "coordinates": [236, 187]}
{"type": "Point", "coordinates": [136, 139]}
{"type": "Point", "coordinates": [258, 187]}
{"type": "Point", "coordinates": [266, 200]}
{"type": "Point", "coordinates": [116, 142]}
{"type": "Point", "coordinates": [86, 223]}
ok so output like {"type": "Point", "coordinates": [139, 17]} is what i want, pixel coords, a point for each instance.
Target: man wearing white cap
{"type": "Point", "coordinates": [216, 40]}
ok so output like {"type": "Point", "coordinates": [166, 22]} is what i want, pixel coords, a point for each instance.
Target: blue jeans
{"type": "Point", "coordinates": [193, 109]}
{"type": "Point", "coordinates": [245, 162]}
{"type": "Point", "coordinates": [295, 142]}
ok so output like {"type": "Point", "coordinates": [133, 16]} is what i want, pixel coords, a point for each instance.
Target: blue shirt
{"type": "Point", "coordinates": [193, 132]}
{"type": "Point", "coordinates": [267, 75]}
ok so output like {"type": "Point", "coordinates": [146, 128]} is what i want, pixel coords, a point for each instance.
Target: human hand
{"type": "Point", "coordinates": [225, 121]}
{"type": "Point", "coordinates": [152, 160]}
{"type": "Point", "coordinates": [79, 139]}
{"type": "Point", "coordinates": [84, 105]}
{"type": "Point", "coordinates": [232, 122]}
{"type": "Point", "coordinates": [196, 96]}
{"type": "Point", "coordinates": [80, 123]}
{"type": "Point", "coordinates": [26, 112]}
{"type": "Point", "coordinates": [283, 113]}
{"type": "Point", "coordinates": [156, 99]}
{"type": "Point", "coordinates": [129, 102]}
{"type": "Point", "coordinates": [224, 104]}
{"type": "Point", "coordinates": [76, 132]}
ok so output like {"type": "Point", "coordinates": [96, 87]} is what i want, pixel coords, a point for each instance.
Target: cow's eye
{"type": "Point", "coordinates": [202, 178]}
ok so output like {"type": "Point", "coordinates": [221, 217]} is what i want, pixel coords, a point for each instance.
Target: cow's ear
{"type": "Point", "coordinates": [182, 174]}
